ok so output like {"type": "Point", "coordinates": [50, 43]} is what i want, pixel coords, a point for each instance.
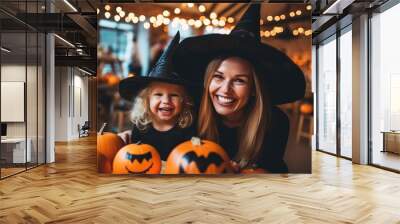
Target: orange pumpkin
{"type": "Point", "coordinates": [110, 79]}
{"type": "Point", "coordinates": [137, 159]}
{"type": "Point", "coordinates": [108, 145]}
{"type": "Point", "coordinates": [306, 108]}
{"type": "Point", "coordinates": [253, 171]}
{"type": "Point", "coordinates": [198, 157]}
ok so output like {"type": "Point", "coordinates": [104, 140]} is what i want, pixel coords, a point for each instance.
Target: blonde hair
{"type": "Point", "coordinates": [141, 116]}
{"type": "Point", "coordinates": [252, 131]}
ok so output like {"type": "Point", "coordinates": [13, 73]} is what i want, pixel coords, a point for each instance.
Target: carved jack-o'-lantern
{"type": "Point", "coordinates": [108, 145]}
{"type": "Point", "coordinates": [137, 159]}
{"type": "Point", "coordinates": [198, 157]}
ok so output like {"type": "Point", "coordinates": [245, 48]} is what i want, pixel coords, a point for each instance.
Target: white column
{"type": "Point", "coordinates": [50, 100]}
{"type": "Point", "coordinates": [314, 91]}
{"type": "Point", "coordinates": [360, 90]}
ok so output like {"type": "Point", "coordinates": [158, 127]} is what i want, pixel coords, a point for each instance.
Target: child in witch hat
{"type": "Point", "coordinates": [162, 113]}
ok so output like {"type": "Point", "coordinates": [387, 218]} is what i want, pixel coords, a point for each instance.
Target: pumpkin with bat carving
{"type": "Point", "coordinates": [137, 159]}
{"type": "Point", "coordinates": [198, 157]}
{"type": "Point", "coordinates": [108, 145]}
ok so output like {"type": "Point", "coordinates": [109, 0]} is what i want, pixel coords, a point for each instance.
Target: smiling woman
{"type": "Point", "coordinates": [229, 87]}
{"type": "Point", "coordinates": [240, 109]}
{"type": "Point", "coordinates": [243, 81]}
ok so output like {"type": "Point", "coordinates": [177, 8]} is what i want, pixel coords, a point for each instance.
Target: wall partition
{"type": "Point", "coordinates": [334, 94]}
{"type": "Point", "coordinates": [326, 98]}
{"type": "Point", "coordinates": [22, 77]}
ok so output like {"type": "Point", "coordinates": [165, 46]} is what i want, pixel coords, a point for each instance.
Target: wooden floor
{"type": "Point", "coordinates": [71, 191]}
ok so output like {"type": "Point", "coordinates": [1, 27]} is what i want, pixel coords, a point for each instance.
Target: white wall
{"type": "Point", "coordinates": [33, 126]}
{"type": "Point", "coordinates": [71, 102]}
{"type": "Point", "coordinates": [13, 73]}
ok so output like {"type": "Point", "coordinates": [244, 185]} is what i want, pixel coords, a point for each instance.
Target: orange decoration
{"type": "Point", "coordinates": [253, 171]}
{"type": "Point", "coordinates": [306, 108]}
{"type": "Point", "coordinates": [110, 79]}
{"type": "Point", "coordinates": [198, 157]}
{"type": "Point", "coordinates": [137, 159]}
{"type": "Point", "coordinates": [108, 145]}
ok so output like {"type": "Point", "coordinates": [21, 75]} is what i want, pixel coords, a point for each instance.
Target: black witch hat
{"type": "Point", "coordinates": [162, 71]}
{"type": "Point", "coordinates": [283, 79]}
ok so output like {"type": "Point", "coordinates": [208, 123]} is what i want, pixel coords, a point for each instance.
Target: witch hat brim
{"type": "Point", "coordinates": [162, 71]}
{"type": "Point", "coordinates": [283, 79]}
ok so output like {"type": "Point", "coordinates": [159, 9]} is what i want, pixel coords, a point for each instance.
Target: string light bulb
{"type": "Point", "coordinates": [191, 22]}
{"type": "Point", "coordinates": [107, 7]}
{"type": "Point", "coordinates": [142, 18]}
{"type": "Point", "coordinates": [206, 22]}
{"type": "Point", "coordinates": [118, 9]}
{"type": "Point", "coordinates": [213, 15]}
{"type": "Point", "coordinates": [146, 25]}
{"type": "Point", "coordinates": [292, 14]}
{"type": "Point", "coordinates": [198, 24]}
{"type": "Point", "coordinates": [231, 20]}
{"type": "Point", "coordinates": [107, 15]}
{"type": "Point", "coordinates": [202, 8]}
{"type": "Point", "coordinates": [166, 13]}
{"type": "Point", "coordinates": [298, 12]}
{"type": "Point", "coordinates": [166, 21]}
{"type": "Point", "coordinates": [183, 22]}
{"type": "Point", "coordinates": [270, 18]}
{"type": "Point", "coordinates": [190, 5]}
{"type": "Point", "coordinates": [177, 11]}
{"type": "Point", "coordinates": [309, 7]}
{"type": "Point", "coordinates": [117, 18]}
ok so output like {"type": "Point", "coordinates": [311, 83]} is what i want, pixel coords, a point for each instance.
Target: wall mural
{"type": "Point", "coordinates": [205, 88]}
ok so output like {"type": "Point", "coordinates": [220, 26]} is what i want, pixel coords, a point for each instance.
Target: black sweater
{"type": "Point", "coordinates": [274, 145]}
{"type": "Point", "coordinates": [163, 141]}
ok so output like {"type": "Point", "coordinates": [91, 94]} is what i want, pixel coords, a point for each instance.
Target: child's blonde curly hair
{"type": "Point", "coordinates": [141, 116]}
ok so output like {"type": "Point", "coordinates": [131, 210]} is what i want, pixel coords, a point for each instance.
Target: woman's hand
{"type": "Point", "coordinates": [126, 136]}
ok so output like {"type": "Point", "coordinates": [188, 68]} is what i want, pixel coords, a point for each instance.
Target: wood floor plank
{"type": "Point", "coordinates": [71, 191]}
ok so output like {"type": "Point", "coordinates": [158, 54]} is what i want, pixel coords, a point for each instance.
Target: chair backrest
{"type": "Point", "coordinates": [86, 125]}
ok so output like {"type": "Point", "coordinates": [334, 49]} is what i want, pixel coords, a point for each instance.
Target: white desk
{"type": "Point", "coordinates": [17, 150]}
